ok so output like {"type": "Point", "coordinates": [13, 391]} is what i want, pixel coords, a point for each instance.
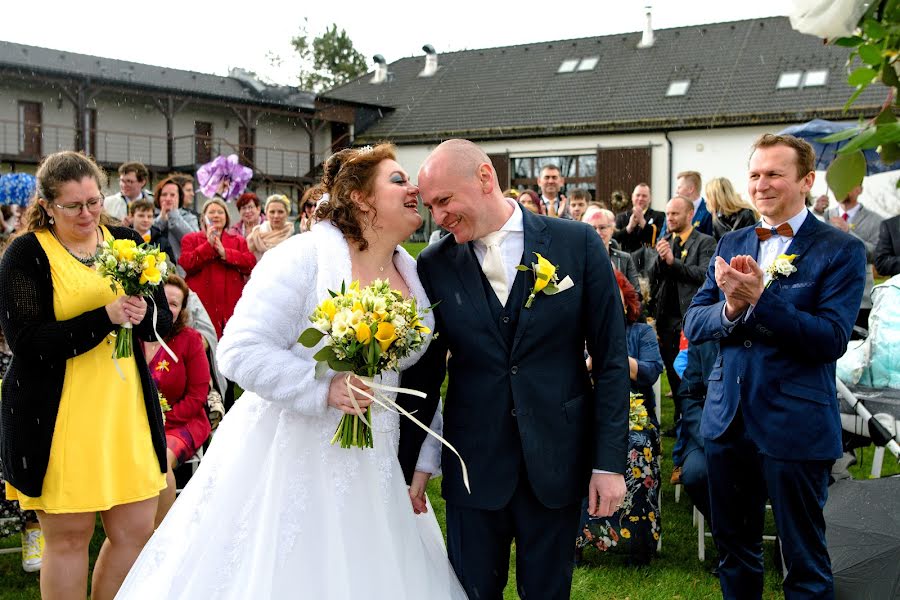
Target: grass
{"type": "Point", "coordinates": [675, 573]}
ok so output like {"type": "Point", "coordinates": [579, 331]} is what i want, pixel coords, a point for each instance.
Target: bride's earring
{"type": "Point", "coordinates": [52, 221]}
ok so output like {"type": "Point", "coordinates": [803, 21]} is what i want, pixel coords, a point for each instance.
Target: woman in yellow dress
{"type": "Point", "coordinates": [80, 433]}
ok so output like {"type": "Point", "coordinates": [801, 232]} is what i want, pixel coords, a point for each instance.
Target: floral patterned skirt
{"type": "Point", "coordinates": [634, 529]}
{"type": "Point", "coordinates": [12, 518]}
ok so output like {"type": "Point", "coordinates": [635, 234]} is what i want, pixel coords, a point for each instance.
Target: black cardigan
{"type": "Point", "coordinates": [41, 345]}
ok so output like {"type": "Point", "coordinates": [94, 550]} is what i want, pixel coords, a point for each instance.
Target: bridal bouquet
{"type": "Point", "coordinates": [367, 331]}
{"type": "Point", "coordinates": [136, 270]}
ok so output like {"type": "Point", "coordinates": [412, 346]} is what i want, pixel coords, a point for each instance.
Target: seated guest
{"type": "Point", "coordinates": [184, 385]}
{"type": "Point", "coordinates": [603, 222]}
{"type": "Point", "coordinates": [173, 221]}
{"type": "Point", "coordinates": [141, 215]}
{"type": "Point", "coordinates": [687, 453]}
{"type": "Point", "coordinates": [887, 252]}
{"type": "Point", "coordinates": [645, 363]}
{"type": "Point", "coordinates": [276, 228]}
{"type": "Point", "coordinates": [251, 215]}
{"type": "Point", "coordinates": [729, 211]}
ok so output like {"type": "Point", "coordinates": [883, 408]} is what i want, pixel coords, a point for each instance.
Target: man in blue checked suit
{"type": "Point", "coordinates": [780, 299]}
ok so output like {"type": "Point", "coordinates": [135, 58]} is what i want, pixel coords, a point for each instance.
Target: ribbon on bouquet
{"type": "Point", "coordinates": [392, 406]}
{"type": "Point", "coordinates": [155, 332]}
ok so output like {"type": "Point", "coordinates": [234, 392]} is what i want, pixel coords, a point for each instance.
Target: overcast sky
{"type": "Point", "coordinates": [212, 37]}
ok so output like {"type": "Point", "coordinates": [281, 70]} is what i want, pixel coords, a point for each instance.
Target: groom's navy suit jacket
{"type": "Point", "coordinates": [778, 365]}
{"type": "Point", "coordinates": [520, 402]}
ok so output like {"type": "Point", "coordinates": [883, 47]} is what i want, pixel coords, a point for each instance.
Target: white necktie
{"type": "Point", "coordinates": [493, 266]}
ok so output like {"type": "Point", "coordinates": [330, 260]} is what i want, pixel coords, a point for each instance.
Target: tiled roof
{"type": "Point", "coordinates": [515, 91]}
{"type": "Point", "coordinates": [32, 60]}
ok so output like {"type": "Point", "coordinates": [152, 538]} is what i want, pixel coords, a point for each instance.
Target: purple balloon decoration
{"type": "Point", "coordinates": [211, 175]}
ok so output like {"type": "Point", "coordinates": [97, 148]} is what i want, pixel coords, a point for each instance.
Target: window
{"type": "Point", "coordinates": [817, 77]}
{"type": "Point", "coordinates": [588, 64]}
{"type": "Point", "coordinates": [568, 65]}
{"type": "Point", "coordinates": [678, 87]}
{"type": "Point", "coordinates": [789, 79]}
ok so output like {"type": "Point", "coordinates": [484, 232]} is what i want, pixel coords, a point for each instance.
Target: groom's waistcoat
{"type": "Point", "coordinates": [519, 400]}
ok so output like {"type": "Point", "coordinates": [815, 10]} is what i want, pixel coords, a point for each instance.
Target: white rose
{"type": "Point", "coordinates": [828, 18]}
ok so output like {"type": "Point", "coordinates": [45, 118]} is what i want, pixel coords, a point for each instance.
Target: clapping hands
{"type": "Point", "coordinates": [741, 281]}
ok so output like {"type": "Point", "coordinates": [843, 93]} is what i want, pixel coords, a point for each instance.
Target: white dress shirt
{"type": "Point", "coordinates": [769, 250]}
{"type": "Point", "coordinates": [512, 246]}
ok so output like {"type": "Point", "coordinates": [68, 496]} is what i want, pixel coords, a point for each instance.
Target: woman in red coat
{"type": "Point", "coordinates": [184, 385]}
{"type": "Point", "coordinates": [217, 263]}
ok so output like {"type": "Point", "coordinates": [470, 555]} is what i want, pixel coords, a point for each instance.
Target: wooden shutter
{"type": "Point", "coordinates": [621, 169]}
{"type": "Point", "coordinates": [501, 166]}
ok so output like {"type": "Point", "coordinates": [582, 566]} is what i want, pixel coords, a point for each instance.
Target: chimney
{"type": "Point", "coordinates": [381, 70]}
{"type": "Point", "coordinates": [247, 79]}
{"type": "Point", "coordinates": [431, 61]}
{"type": "Point", "coordinates": [647, 37]}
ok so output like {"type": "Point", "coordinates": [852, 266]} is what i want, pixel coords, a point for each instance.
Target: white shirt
{"type": "Point", "coordinates": [512, 246]}
{"type": "Point", "coordinates": [769, 250]}
{"type": "Point", "coordinates": [697, 204]}
{"type": "Point", "coordinates": [851, 213]}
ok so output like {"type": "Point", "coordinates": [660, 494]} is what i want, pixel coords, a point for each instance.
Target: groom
{"type": "Point", "coordinates": [536, 434]}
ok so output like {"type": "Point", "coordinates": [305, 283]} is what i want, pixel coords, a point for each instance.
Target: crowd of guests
{"type": "Point", "coordinates": [157, 412]}
{"type": "Point", "coordinates": [54, 310]}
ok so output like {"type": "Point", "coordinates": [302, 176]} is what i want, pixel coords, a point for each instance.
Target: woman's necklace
{"type": "Point", "coordinates": [87, 261]}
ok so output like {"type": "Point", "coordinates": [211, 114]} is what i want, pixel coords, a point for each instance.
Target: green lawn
{"type": "Point", "coordinates": [675, 573]}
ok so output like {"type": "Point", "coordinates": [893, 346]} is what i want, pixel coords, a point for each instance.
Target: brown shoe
{"type": "Point", "coordinates": [676, 476]}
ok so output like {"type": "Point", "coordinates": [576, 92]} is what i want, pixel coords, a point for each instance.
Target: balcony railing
{"type": "Point", "coordinates": [115, 147]}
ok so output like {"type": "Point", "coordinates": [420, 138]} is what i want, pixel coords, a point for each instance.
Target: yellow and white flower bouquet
{"type": "Point", "coordinates": [367, 331]}
{"type": "Point", "coordinates": [136, 270]}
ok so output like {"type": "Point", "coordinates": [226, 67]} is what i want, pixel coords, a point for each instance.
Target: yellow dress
{"type": "Point", "coordinates": [102, 453]}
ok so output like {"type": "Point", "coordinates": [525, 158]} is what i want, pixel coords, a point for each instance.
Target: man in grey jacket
{"type": "Point", "coordinates": [852, 217]}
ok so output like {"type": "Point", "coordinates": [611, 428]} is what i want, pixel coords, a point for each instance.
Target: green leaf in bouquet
{"type": "Point", "coordinates": [522, 268]}
{"type": "Point", "coordinates": [862, 76]}
{"type": "Point", "coordinates": [865, 139]}
{"type": "Point", "coordinates": [845, 173]}
{"type": "Point", "coordinates": [310, 337]}
{"type": "Point", "coordinates": [849, 42]}
{"type": "Point", "coordinates": [870, 54]}
{"type": "Point", "coordinates": [321, 369]}
{"type": "Point", "coordinates": [840, 136]}
{"type": "Point", "coordinates": [873, 29]}
{"type": "Point", "coordinates": [325, 354]}
{"type": "Point", "coordinates": [340, 366]}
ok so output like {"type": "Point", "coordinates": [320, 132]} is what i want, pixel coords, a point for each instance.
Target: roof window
{"type": "Point", "coordinates": [789, 79]}
{"type": "Point", "coordinates": [588, 64]}
{"type": "Point", "coordinates": [679, 87]}
{"type": "Point", "coordinates": [568, 65]}
{"type": "Point", "coordinates": [816, 77]}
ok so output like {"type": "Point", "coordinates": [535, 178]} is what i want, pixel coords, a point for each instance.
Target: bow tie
{"type": "Point", "coordinates": [764, 233]}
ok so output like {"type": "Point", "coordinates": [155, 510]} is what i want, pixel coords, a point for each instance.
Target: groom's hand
{"type": "Point", "coordinates": [605, 494]}
{"type": "Point", "coordinates": [339, 394]}
{"type": "Point", "coordinates": [417, 491]}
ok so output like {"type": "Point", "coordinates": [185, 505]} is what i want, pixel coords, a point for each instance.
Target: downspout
{"type": "Point", "coordinates": [669, 142]}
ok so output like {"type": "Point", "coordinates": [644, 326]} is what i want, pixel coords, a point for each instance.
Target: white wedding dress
{"type": "Point", "coordinates": [275, 511]}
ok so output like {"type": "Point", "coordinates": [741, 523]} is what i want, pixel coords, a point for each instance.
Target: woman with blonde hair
{"type": "Point", "coordinates": [275, 229]}
{"type": "Point", "coordinates": [729, 211]}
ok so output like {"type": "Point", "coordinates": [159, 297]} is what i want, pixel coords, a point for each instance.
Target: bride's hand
{"type": "Point", "coordinates": [338, 395]}
{"type": "Point", "coordinates": [417, 491]}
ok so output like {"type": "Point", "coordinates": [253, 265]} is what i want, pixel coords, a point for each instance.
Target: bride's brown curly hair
{"type": "Point", "coordinates": [351, 169]}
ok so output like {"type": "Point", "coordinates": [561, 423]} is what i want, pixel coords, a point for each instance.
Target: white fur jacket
{"type": "Point", "coordinates": [259, 348]}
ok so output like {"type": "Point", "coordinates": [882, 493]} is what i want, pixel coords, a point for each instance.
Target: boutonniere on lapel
{"type": "Point", "coordinates": [546, 279]}
{"type": "Point", "coordinates": [683, 254]}
{"type": "Point", "coordinates": [782, 266]}
{"type": "Point", "coordinates": [162, 365]}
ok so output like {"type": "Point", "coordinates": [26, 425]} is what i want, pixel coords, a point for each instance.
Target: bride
{"type": "Point", "coordinates": [275, 510]}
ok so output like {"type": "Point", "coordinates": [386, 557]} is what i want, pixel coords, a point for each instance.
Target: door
{"type": "Point", "coordinates": [202, 142]}
{"type": "Point", "coordinates": [621, 169]}
{"type": "Point", "coordinates": [246, 145]}
{"type": "Point", "coordinates": [30, 129]}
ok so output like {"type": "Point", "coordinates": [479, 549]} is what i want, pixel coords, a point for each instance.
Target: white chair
{"type": "Point", "coordinates": [702, 534]}
{"type": "Point", "coordinates": [194, 461]}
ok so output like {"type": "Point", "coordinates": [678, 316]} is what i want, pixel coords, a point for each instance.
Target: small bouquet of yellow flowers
{"type": "Point", "coordinates": [367, 331]}
{"type": "Point", "coordinates": [163, 406]}
{"type": "Point", "coordinates": [637, 414]}
{"type": "Point", "coordinates": [136, 270]}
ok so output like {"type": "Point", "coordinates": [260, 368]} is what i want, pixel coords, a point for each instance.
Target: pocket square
{"type": "Point", "coordinates": [563, 285]}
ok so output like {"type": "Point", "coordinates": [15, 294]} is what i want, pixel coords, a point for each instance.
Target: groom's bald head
{"type": "Point", "coordinates": [459, 158]}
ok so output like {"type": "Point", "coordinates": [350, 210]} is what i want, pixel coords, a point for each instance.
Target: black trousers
{"type": "Point", "coordinates": [668, 349]}
{"type": "Point", "coordinates": [478, 542]}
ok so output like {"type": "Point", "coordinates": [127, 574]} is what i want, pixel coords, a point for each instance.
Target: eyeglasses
{"type": "Point", "coordinates": [74, 209]}
{"type": "Point", "coordinates": [128, 181]}
{"type": "Point", "coordinates": [599, 227]}
{"type": "Point", "coordinates": [248, 206]}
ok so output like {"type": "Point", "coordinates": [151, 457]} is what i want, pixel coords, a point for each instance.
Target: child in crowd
{"type": "Point", "coordinates": [141, 213]}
